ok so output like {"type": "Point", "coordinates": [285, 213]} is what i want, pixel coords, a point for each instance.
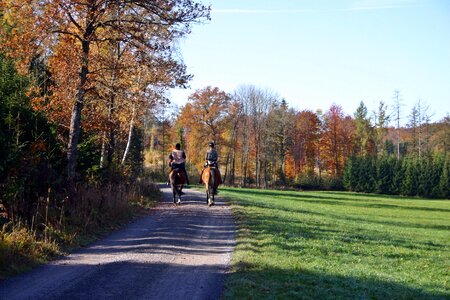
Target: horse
{"type": "Point", "coordinates": [211, 179]}
{"type": "Point", "coordinates": [177, 179]}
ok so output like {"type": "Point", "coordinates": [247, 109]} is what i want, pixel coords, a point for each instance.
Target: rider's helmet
{"type": "Point", "coordinates": [211, 144]}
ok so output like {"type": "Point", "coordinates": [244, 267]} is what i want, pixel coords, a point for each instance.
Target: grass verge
{"type": "Point", "coordinates": [98, 213]}
{"type": "Point", "coordinates": [338, 245]}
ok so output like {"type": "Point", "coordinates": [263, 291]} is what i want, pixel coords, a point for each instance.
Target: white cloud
{"type": "Point", "coordinates": [258, 11]}
{"type": "Point", "coordinates": [381, 4]}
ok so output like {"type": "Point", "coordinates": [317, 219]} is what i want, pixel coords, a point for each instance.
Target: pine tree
{"type": "Point", "coordinates": [370, 175]}
{"type": "Point", "coordinates": [410, 181]}
{"type": "Point", "coordinates": [349, 174]}
{"type": "Point", "coordinates": [444, 182]}
{"type": "Point", "coordinates": [385, 174]}
{"type": "Point", "coordinates": [397, 178]}
{"type": "Point", "coordinates": [426, 177]}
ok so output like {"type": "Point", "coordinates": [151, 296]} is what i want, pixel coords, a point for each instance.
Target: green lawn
{"type": "Point", "coordinates": [338, 245]}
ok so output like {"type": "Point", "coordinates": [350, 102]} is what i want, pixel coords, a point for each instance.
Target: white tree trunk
{"type": "Point", "coordinates": [129, 137]}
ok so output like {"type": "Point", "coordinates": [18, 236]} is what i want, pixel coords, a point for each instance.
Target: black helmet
{"type": "Point", "coordinates": [211, 144]}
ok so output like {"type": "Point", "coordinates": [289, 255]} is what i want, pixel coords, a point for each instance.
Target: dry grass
{"type": "Point", "coordinates": [58, 226]}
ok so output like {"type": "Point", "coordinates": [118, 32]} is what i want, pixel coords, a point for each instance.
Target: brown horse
{"type": "Point", "coordinates": [211, 179]}
{"type": "Point", "coordinates": [177, 179]}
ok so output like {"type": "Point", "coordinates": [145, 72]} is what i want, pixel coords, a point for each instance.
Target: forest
{"type": "Point", "coordinates": [86, 123]}
{"type": "Point", "coordinates": [77, 82]}
{"type": "Point", "coordinates": [264, 143]}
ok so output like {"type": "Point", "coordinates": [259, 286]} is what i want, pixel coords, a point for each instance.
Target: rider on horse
{"type": "Point", "coordinates": [211, 160]}
{"type": "Point", "coordinates": [177, 160]}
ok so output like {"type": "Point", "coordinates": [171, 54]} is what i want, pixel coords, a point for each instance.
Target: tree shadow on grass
{"type": "Point", "coordinates": [345, 217]}
{"type": "Point", "coordinates": [251, 282]}
{"type": "Point", "coordinates": [337, 200]}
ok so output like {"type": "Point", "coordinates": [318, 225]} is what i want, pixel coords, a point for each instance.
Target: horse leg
{"type": "Point", "coordinates": [179, 194]}
{"type": "Point", "coordinates": [212, 186]}
{"type": "Point", "coordinates": [174, 193]}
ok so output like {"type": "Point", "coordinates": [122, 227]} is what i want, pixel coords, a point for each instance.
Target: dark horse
{"type": "Point", "coordinates": [211, 179]}
{"type": "Point", "coordinates": [177, 179]}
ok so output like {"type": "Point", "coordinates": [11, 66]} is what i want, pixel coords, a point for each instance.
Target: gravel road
{"type": "Point", "coordinates": [178, 252]}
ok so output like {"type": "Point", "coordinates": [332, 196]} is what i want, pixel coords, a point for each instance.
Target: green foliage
{"type": "Point", "coordinates": [136, 154]}
{"type": "Point", "coordinates": [444, 183]}
{"type": "Point", "coordinates": [429, 177]}
{"type": "Point", "coordinates": [30, 155]}
{"type": "Point", "coordinates": [14, 109]}
{"type": "Point", "coordinates": [89, 155]}
{"type": "Point", "coordinates": [338, 245]}
{"type": "Point", "coordinates": [360, 174]}
{"type": "Point", "coordinates": [410, 182]}
{"type": "Point", "coordinates": [385, 174]}
{"type": "Point", "coordinates": [314, 182]}
{"type": "Point", "coordinates": [350, 172]}
{"type": "Point", "coordinates": [411, 176]}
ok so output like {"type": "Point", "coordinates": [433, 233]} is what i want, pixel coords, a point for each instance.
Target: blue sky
{"type": "Point", "coordinates": [316, 53]}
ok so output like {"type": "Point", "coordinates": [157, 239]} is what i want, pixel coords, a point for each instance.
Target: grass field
{"type": "Point", "coordinates": [338, 245]}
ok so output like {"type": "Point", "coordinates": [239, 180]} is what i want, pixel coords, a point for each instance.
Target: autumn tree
{"type": "Point", "coordinates": [333, 144]}
{"type": "Point", "coordinates": [147, 27]}
{"type": "Point", "coordinates": [231, 139]}
{"type": "Point", "coordinates": [240, 97]}
{"type": "Point", "coordinates": [204, 117]}
{"type": "Point", "coordinates": [279, 137]}
{"type": "Point", "coordinates": [305, 141]}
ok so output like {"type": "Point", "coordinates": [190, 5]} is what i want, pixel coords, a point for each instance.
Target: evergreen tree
{"type": "Point", "coordinates": [444, 182]}
{"type": "Point", "coordinates": [359, 174]}
{"type": "Point", "coordinates": [396, 184]}
{"type": "Point", "coordinates": [428, 177]}
{"type": "Point", "coordinates": [370, 173]}
{"type": "Point", "coordinates": [349, 174]}
{"type": "Point", "coordinates": [411, 177]}
{"type": "Point", "coordinates": [437, 172]}
{"type": "Point", "coordinates": [385, 174]}
{"type": "Point", "coordinates": [363, 129]}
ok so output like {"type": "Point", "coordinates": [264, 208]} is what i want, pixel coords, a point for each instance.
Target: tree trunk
{"type": "Point", "coordinates": [75, 120]}
{"type": "Point", "coordinates": [103, 151]}
{"type": "Point", "coordinates": [112, 135]}
{"type": "Point", "coordinates": [226, 167]}
{"type": "Point", "coordinates": [127, 148]}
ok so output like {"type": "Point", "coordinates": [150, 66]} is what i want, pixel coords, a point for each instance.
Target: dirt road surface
{"type": "Point", "coordinates": [174, 253]}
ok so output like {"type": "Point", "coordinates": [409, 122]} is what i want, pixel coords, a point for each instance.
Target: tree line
{"type": "Point", "coordinates": [264, 143]}
{"type": "Point", "coordinates": [77, 82]}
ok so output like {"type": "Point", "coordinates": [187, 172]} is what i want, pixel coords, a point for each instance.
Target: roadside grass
{"type": "Point", "coordinates": [22, 248]}
{"type": "Point", "coordinates": [338, 245]}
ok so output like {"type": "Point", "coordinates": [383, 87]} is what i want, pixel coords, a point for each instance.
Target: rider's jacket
{"type": "Point", "coordinates": [212, 155]}
{"type": "Point", "coordinates": [178, 156]}
{"type": "Point", "coordinates": [211, 158]}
